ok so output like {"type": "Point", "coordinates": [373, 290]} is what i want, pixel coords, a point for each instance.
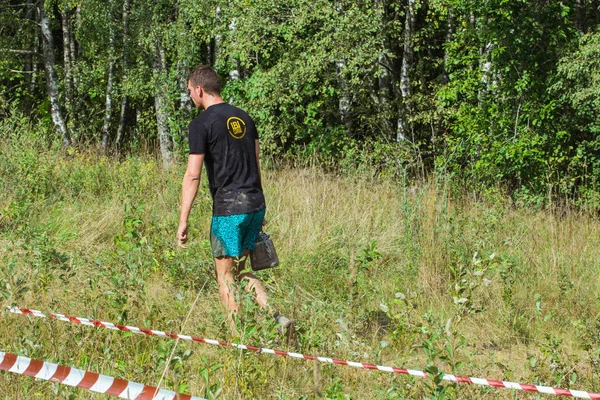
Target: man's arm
{"type": "Point", "coordinates": [257, 150]}
{"type": "Point", "coordinates": [189, 188]}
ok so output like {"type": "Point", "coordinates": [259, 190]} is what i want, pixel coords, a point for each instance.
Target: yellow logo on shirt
{"type": "Point", "coordinates": [236, 127]}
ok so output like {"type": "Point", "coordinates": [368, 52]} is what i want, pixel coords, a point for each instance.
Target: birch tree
{"type": "Point", "coordinates": [448, 40]}
{"type": "Point", "coordinates": [161, 100]}
{"type": "Point", "coordinates": [407, 65]}
{"type": "Point", "coordinates": [51, 76]}
{"type": "Point", "coordinates": [110, 78]}
{"type": "Point", "coordinates": [68, 61]}
{"type": "Point", "coordinates": [345, 103]}
{"type": "Point", "coordinates": [126, 51]}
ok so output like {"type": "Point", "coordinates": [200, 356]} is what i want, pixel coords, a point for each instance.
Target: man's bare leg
{"type": "Point", "coordinates": [261, 297]}
{"type": "Point", "coordinates": [260, 293]}
{"type": "Point", "coordinates": [227, 269]}
{"type": "Point", "coordinates": [224, 267]}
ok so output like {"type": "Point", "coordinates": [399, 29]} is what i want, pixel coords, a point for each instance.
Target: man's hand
{"type": "Point", "coordinates": [182, 234]}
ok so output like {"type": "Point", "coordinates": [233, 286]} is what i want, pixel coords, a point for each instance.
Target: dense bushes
{"type": "Point", "coordinates": [496, 94]}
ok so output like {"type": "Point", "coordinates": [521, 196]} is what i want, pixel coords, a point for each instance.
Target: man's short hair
{"type": "Point", "coordinates": [206, 78]}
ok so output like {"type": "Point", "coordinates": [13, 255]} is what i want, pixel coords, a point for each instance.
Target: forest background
{"type": "Point", "coordinates": [495, 93]}
{"type": "Point", "coordinates": [467, 132]}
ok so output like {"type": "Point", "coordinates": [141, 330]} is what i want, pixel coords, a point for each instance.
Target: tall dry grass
{"type": "Point", "coordinates": [376, 271]}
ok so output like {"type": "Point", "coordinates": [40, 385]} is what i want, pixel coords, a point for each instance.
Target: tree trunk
{"type": "Point", "coordinates": [108, 106]}
{"type": "Point", "coordinates": [66, 29]}
{"type": "Point", "coordinates": [79, 49]}
{"type": "Point", "coordinates": [74, 22]}
{"type": "Point", "coordinates": [214, 45]}
{"type": "Point", "coordinates": [437, 120]}
{"type": "Point", "coordinates": [67, 54]}
{"type": "Point", "coordinates": [580, 16]}
{"type": "Point", "coordinates": [384, 82]}
{"type": "Point", "coordinates": [51, 77]}
{"type": "Point", "coordinates": [449, 34]}
{"type": "Point", "coordinates": [345, 103]}
{"type": "Point", "coordinates": [389, 70]}
{"type": "Point", "coordinates": [34, 61]}
{"type": "Point", "coordinates": [161, 100]}
{"type": "Point", "coordinates": [72, 43]}
{"type": "Point", "coordinates": [384, 93]}
{"type": "Point", "coordinates": [485, 66]}
{"type": "Point", "coordinates": [122, 121]}
{"type": "Point", "coordinates": [125, 98]}
{"type": "Point", "coordinates": [234, 75]}
{"type": "Point", "coordinates": [407, 63]}
{"type": "Point", "coordinates": [109, 83]}
{"type": "Point", "coordinates": [185, 103]}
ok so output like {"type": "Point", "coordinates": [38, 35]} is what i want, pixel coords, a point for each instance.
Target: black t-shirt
{"type": "Point", "coordinates": [226, 136]}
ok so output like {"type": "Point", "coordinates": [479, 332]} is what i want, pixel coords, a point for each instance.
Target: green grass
{"type": "Point", "coordinates": [399, 274]}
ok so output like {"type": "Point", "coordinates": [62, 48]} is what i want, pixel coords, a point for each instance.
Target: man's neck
{"type": "Point", "coordinates": [212, 100]}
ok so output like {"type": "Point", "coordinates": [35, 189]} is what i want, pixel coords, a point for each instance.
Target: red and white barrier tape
{"type": "Point", "coordinates": [86, 380]}
{"type": "Point", "coordinates": [452, 378]}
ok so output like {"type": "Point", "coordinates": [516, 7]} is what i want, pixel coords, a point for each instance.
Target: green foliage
{"type": "Point", "coordinates": [468, 280]}
{"type": "Point", "coordinates": [505, 128]}
{"type": "Point", "coordinates": [373, 283]}
{"type": "Point", "coordinates": [578, 89]}
{"type": "Point", "coordinates": [440, 344]}
{"type": "Point", "coordinates": [549, 366]}
{"type": "Point", "coordinates": [502, 94]}
{"type": "Point", "coordinates": [206, 372]}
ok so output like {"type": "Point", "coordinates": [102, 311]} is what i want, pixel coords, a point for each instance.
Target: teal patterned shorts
{"type": "Point", "coordinates": [230, 235]}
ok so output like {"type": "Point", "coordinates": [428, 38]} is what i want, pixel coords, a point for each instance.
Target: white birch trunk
{"type": "Point", "coordinates": [79, 49]}
{"type": "Point", "coordinates": [214, 45]}
{"type": "Point", "coordinates": [34, 62]}
{"type": "Point", "coordinates": [108, 106]}
{"type": "Point", "coordinates": [161, 99]}
{"type": "Point", "coordinates": [405, 83]}
{"type": "Point", "coordinates": [109, 83]}
{"type": "Point", "coordinates": [51, 76]}
{"type": "Point", "coordinates": [67, 54]}
{"type": "Point", "coordinates": [449, 34]}
{"type": "Point", "coordinates": [234, 75]}
{"type": "Point", "coordinates": [345, 102]}
{"type": "Point", "coordinates": [67, 65]}
{"type": "Point", "coordinates": [580, 16]}
{"type": "Point", "coordinates": [185, 103]}
{"type": "Point", "coordinates": [485, 66]}
{"type": "Point", "coordinates": [73, 24]}
{"type": "Point", "coordinates": [125, 98]}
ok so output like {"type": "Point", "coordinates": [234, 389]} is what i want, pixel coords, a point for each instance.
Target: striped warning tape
{"type": "Point", "coordinates": [447, 377]}
{"type": "Point", "coordinates": [86, 380]}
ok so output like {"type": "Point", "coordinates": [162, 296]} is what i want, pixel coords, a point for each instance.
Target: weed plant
{"type": "Point", "coordinates": [379, 271]}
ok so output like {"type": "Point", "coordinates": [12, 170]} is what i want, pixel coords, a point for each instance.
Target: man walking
{"type": "Point", "coordinates": [225, 139]}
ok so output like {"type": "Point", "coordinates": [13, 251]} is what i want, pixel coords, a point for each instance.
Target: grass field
{"type": "Point", "coordinates": [385, 272]}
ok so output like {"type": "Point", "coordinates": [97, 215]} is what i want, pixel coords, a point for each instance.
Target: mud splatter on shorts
{"type": "Point", "coordinates": [230, 235]}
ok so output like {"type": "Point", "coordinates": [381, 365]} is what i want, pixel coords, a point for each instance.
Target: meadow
{"type": "Point", "coordinates": [389, 271]}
